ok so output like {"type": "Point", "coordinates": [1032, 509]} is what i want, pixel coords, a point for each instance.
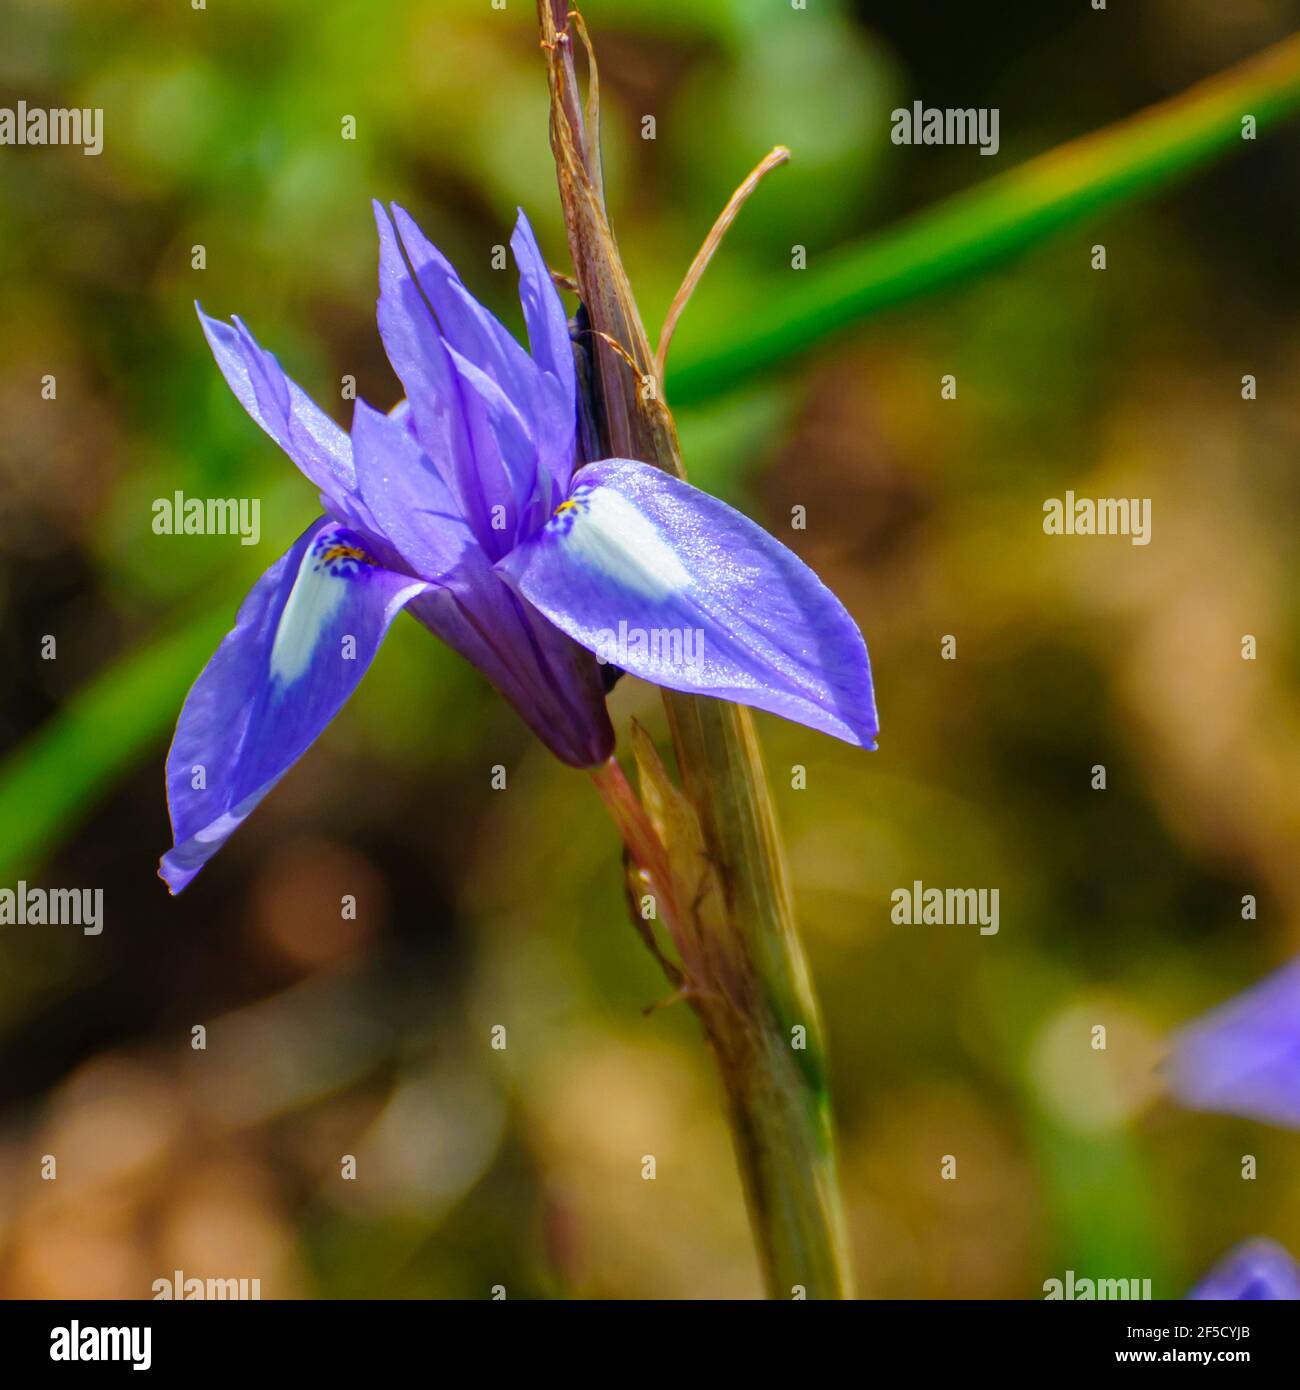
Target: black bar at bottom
{"type": "Point", "coordinates": [339, 1338]}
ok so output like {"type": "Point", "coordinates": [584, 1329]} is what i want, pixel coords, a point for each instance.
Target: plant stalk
{"type": "Point", "coordinates": [746, 976]}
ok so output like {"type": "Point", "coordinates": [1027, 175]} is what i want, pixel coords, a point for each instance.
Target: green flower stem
{"type": "Point", "coordinates": [770, 1048]}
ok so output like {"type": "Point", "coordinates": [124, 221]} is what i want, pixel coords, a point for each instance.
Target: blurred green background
{"type": "Point", "coordinates": [522, 1167]}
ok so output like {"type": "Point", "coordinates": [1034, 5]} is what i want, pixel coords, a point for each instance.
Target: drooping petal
{"type": "Point", "coordinates": [1244, 1058]}
{"type": "Point", "coordinates": [284, 410]}
{"type": "Point", "coordinates": [675, 586]}
{"type": "Point", "coordinates": [1254, 1270]}
{"type": "Point", "coordinates": [302, 641]}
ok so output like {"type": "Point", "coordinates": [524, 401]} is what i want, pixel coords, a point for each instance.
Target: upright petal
{"type": "Point", "coordinates": [416, 518]}
{"type": "Point", "coordinates": [552, 349]}
{"type": "Point", "coordinates": [514, 430]}
{"type": "Point", "coordinates": [464, 323]}
{"type": "Point", "coordinates": [284, 410]}
{"type": "Point", "coordinates": [530, 408]}
{"type": "Point", "coordinates": [548, 326]}
{"type": "Point", "coordinates": [1255, 1270]}
{"type": "Point", "coordinates": [302, 641]}
{"type": "Point", "coordinates": [1244, 1058]}
{"type": "Point", "coordinates": [450, 420]}
{"type": "Point", "coordinates": [675, 586]}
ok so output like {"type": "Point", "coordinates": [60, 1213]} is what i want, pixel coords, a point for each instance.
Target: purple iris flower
{"type": "Point", "coordinates": [464, 505]}
{"type": "Point", "coordinates": [1244, 1058]}
{"type": "Point", "coordinates": [1255, 1270]}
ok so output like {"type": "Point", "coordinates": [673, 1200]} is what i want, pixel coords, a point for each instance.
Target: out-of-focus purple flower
{"type": "Point", "coordinates": [463, 505]}
{"type": "Point", "coordinates": [1255, 1269]}
{"type": "Point", "coordinates": [1244, 1058]}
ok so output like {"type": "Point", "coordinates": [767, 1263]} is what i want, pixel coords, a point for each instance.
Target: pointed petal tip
{"type": "Point", "coordinates": [209, 323]}
{"type": "Point", "coordinates": [383, 216]}
{"type": "Point", "coordinates": [1239, 1058]}
{"type": "Point", "coordinates": [523, 240]}
{"type": "Point", "coordinates": [856, 730]}
{"type": "Point", "coordinates": [363, 410]}
{"type": "Point", "coordinates": [176, 880]}
{"type": "Point", "coordinates": [869, 726]}
{"type": "Point", "coordinates": [403, 220]}
{"type": "Point", "coordinates": [851, 731]}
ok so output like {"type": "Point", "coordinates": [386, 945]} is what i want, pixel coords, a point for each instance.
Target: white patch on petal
{"type": "Point", "coordinates": [611, 535]}
{"type": "Point", "coordinates": [315, 598]}
{"type": "Point", "coordinates": [220, 830]}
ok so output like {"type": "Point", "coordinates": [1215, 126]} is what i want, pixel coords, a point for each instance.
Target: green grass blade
{"type": "Point", "coordinates": [993, 221]}
{"type": "Point", "coordinates": [52, 779]}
